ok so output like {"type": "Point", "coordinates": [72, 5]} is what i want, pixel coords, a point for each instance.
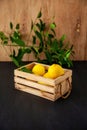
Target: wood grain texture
{"type": "Point", "coordinates": [70, 17]}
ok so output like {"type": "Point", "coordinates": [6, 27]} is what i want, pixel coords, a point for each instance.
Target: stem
{"type": "Point", "coordinates": [31, 31]}
{"type": "Point", "coordinates": [16, 45]}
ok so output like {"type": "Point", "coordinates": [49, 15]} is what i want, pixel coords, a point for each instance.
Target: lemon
{"type": "Point", "coordinates": [55, 70]}
{"type": "Point", "coordinates": [46, 75]}
{"type": "Point", "coordinates": [38, 69]}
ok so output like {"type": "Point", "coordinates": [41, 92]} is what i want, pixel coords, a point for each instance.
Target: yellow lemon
{"type": "Point", "coordinates": [38, 69]}
{"type": "Point", "coordinates": [55, 70]}
{"type": "Point", "coordinates": [46, 75]}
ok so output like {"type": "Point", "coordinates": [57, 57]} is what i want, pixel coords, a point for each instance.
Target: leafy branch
{"type": "Point", "coordinates": [43, 40]}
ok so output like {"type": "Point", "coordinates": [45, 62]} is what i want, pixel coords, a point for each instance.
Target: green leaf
{"type": "Point", "coordinates": [11, 25]}
{"type": "Point", "coordinates": [49, 42]}
{"type": "Point", "coordinates": [4, 38]}
{"type": "Point", "coordinates": [24, 69]}
{"type": "Point", "coordinates": [19, 42]}
{"type": "Point", "coordinates": [39, 26]}
{"type": "Point", "coordinates": [42, 25]}
{"type": "Point", "coordinates": [2, 34]}
{"type": "Point", "coordinates": [14, 61]}
{"type": "Point", "coordinates": [69, 63]}
{"type": "Point", "coordinates": [54, 46]}
{"type": "Point", "coordinates": [5, 42]}
{"type": "Point", "coordinates": [39, 14]}
{"type": "Point", "coordinates": [32, 25]}
{"type": "Point", "coordinates": [63, 38]}
{"type": "Point", "coordinates": [52, 25]}
{"type": "Point", "coordinates": [50, 35]}
{"type": "Point", "coordinates": [18, 26]}
{"type": "Point", "coordinates": [20, 54]}
{"type": "Point", "coordinates": [46, 34]}
{"type": "Point", "coordinates": [38, 34]}
{"type": "Point", "coordinates": [34, 39]}
{"type": "Point", "coordinates": [35, 50]}
{"type": "Point", "coordinates": [61, 41]}
{"type": "Point", "coordinates": [53, 32]}
{"type": "Point", "coordinates": [14, 53]}
{"type": "Point", "coordinates": [41, 48]}
{"type": "Point", "coordinates": [18, 58]}
{"type": "Point", "coordinates": [12, 39]}
{"type": "Point", "coordinates": [27, 50]}
{"type": "Point", "coordinates": [68, 54]}
{"type": "Point", "coordinates": [48, 56]}
{"type": "Point", "coordinates": [34, 28]}
{"type": "Point", "coordinates": [16, 34]}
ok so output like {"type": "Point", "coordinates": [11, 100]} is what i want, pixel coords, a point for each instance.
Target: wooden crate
{"type": "Point", "coordinates": [52, 89]}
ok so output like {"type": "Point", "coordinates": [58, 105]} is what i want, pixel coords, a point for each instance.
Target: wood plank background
{"type": "Point", "coordinates": [70, 18]}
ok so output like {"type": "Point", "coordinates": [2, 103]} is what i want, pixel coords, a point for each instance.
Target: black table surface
{"type": "Point", "coordinates": [20, 110]}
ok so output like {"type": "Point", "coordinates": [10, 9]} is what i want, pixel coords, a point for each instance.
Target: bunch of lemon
{"type": "Point", "coordinates": [53, 71]}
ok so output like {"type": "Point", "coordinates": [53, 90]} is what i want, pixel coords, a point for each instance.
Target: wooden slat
{"type": "Point", "coordinates": [32, 84]}
{"type": "Point", "coordinates": [33, 77]}
{"type": "Point", "coordinates": [34, 91]}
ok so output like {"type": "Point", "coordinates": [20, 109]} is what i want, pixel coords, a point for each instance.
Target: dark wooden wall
{"type": "Point", "coordinates": [70, 18]}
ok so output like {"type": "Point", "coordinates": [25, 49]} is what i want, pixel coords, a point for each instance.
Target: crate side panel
{"type": "Point", "coordinates": [35, 92]}
{"type": "Point", "coordinates": [34, 77]}
{"type": "Point", "coordinates": [65, 86]}
{"type": "Point", "coordinates": [34, 84]}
